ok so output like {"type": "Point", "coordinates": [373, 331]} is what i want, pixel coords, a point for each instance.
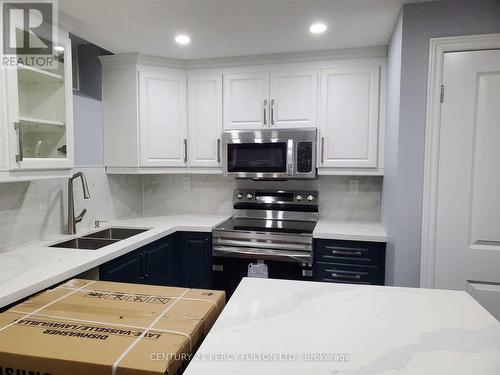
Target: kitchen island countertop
{"type": "Point", "coordinates": [297, 327]}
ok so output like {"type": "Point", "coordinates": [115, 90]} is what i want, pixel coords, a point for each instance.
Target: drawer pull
{"type": "Point", "coordinates": [346, 253]}
{"type": "Point", "coordinates": [346, 277]}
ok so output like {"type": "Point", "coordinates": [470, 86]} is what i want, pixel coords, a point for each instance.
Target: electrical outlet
{"type": "Point", "coordinates": [186, 183]}
{"type": "Point", "coordinates": [354, 186]}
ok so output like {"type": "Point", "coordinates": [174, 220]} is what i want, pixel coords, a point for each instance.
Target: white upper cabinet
{"type": "Point", "coordinates": [156, 120]}
{"type": "Point", "coordinates": [281, 99]}
{"type": "Point", "coordinates": [37, 117]}
{"type": "Point", "coordinates": [204, 120]}
{"type": "Point", "coordinates": [144, 115]}
{"type": "Point", "coordinates": [246, 100]}
{"type": "Point", "coordinates": [293, 99]}
{"type": "Point", "coordinates": [162, 117]}
{"type": "Point", "coordinates": [349, 117]}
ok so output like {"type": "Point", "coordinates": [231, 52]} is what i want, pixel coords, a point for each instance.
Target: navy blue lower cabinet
{"type": "Point", "coordinates": [355, 262]}
{"type": "Point", "coordinates": [162, 262]}
{"type": "Point", "coordinates": [182, 259]}
{"type": "Point", "coordinates": [196, 259]}
{"type": "Point", "coordinates": [157, 263]}
{"type": "Point", "coordinates": [125, 269]}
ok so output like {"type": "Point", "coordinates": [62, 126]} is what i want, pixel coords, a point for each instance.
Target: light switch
{"type": "Point", "coordinates": [353, 186]}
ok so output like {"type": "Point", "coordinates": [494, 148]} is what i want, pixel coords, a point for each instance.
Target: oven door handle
{"type": "Point", "coordinates": [262, 244]}
{"type": "Point", "coordinates": [263, 254]}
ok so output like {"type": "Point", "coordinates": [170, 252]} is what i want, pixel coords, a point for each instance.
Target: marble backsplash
{"type": "Point", "coordinates": [31, 211]}
{"type": "Point", "coordinates": [209, 194]}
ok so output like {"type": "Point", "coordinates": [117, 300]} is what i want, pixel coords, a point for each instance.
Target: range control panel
{"type": "Point", "coordinates": [279, 197]}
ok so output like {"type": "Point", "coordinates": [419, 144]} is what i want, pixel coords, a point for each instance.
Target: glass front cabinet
{"type": "Point", "coordinates": [37, 118]}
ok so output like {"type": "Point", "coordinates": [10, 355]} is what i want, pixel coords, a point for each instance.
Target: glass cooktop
{"type": "Point", "coordinates": [263, 225]}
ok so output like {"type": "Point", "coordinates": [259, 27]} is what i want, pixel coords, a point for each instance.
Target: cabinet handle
{"type": "Point", "coordinates": [19, 156]}
{"type": "Point", "coordinates": [265, 111]}
{"type": "Point", "coordinates": [346, 253]}
{"type": "Point", "coordinates": [346, 277]}
{"type": "Point", "coordinates": [218, 150]}
{"type": "Point", "coordinates": [322, 149]}
{"type": "Point", "coordinates": [185, 150]}
{"type": "Point", "coordinates": [272, 112]}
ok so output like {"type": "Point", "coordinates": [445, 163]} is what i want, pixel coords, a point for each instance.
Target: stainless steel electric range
{"type": "Point", "coordinates": [271, 229]}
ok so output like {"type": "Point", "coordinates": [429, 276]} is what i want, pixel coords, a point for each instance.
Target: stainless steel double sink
{"type": "Point", "coordinates": [96, 240]}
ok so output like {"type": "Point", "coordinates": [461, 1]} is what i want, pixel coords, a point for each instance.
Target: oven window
{"type": "Point", "coordinates": [257, 157]}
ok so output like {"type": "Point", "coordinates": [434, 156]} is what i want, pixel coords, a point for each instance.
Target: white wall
{"type": "Point", "coordinates": [402, 203]}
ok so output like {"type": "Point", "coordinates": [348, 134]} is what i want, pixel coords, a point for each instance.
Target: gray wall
{"type": "Point", "coordinates": [87, 104]}
{"type": "Point", "coordinates": [389, 202]}
{"type": "Point", "coordinates": [88, 131]}
{"type": "Point", "coordinates": [421, 22]}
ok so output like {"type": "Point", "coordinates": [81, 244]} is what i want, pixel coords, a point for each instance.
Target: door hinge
{"type": "Point", "coordinates": [441, 97]}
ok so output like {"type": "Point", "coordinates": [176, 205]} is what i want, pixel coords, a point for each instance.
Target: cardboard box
{"type": "Point", "coordinates": [95, 327]}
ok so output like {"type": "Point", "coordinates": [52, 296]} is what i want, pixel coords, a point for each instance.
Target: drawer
{"type": "Point", "coordinates": [346, 273]}
{"type": "Point", "coordinates": [350, 252]}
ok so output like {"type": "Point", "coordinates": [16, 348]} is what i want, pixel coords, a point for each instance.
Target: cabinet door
{"type": "Point", "coordinates": [293, 99]}
{"type": "Point", "coordinates": [4, 143]}
{"type": "Point", "coordinates": [197, 260]}
{"type": "Point", "coordinates": [349, 117]}
{"type": "Point", "coordinates": [126, 269]}
{"type": "Point", "coordinates": [204, 120]}
{"type": "Point", "coordinates": [162, 262]}
{"type": "Point", "coordinates": [246, 100]}
{"type": "Point", "coordinates": [162, 113]}
{"type": "Point", "coordinates": [40, 113]}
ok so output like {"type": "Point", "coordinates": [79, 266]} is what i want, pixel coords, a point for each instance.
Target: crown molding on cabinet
{"type": "Point", "coordinates": [275, 58]}
{"type": "Point", "coordinates": [289, 57]}
{"type": "Point", "coordinates": [140, 59]}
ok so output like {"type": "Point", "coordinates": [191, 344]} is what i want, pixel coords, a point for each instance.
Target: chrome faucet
{"type": "Point", "coordinates": [72, 220]}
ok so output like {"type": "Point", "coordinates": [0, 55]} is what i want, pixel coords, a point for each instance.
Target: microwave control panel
{"type": "Point", "coordinates": [304, 157]}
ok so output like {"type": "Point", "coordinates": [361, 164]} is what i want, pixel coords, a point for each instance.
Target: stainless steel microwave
{"type": "Point", "coordinates": [269, 153]}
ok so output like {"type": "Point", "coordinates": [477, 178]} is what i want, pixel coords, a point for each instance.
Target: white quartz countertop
{"type": "Point", "coordinates": [30, 268]}
{"type": "Point", "coordinates": [350, 230]}
{"type": "Point", "coordinates": [297, 327]}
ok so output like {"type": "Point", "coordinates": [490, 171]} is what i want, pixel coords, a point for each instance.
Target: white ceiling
{"type": "Point", "coordinates": [220, 28]}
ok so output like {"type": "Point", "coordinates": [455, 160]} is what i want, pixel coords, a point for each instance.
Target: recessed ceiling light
{"type": "Point", "coordinates": [182, 39]}
{"type": "Point", "coordinates": [318, 28]}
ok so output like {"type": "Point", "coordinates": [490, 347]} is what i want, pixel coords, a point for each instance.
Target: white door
{"type": "Point", "coordinates": [246, 100]}
{"type": "Point", "coordinates": [349, 117]}
{"type": "Point", "coordinates": [162, 112]}
{"type": "Point", "coordinates": [468, 194]}
{"type": "Point", "coordinates": [293, 99]}
{"type": "Point", "coordinates": [204, 120]}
